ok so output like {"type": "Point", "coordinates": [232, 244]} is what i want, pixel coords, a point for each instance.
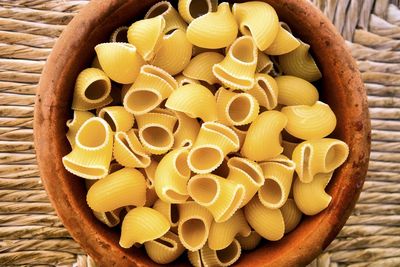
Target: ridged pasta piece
{"type": "Point", "coordinates": [149, 173]}
{"type": "Point", "coordinates": [288, 148]}
{"type": "Point", "coordinates": [236, 108]}
{"type": "Point", "coordinates": [220, 196]}
{"type": "Point", "coordinates": [259, 20]}
{"type": "Point", "coordinates": [152, 86]}
{"type": "Point", "coordinates": [91, 156]}
{"type": "Point", "coordinates": [174, 53]}
{"type": "Point", "coordinates": [194, 100]}
{"type": "Point", "coordinates": [223, 257]}
{"type": "Point", "coordinates": [183, 80]}
{"type": "Point", "coordinates": [291, 215]}
{"type": "Point", "coordinates": [247, 173]}
{"type": "Point", "coordinates": [264, 63]}
{"type": "Point", "coordinates": [296, 91]}
{"type": "Point", "coordinates": [194, 225]}
{"type": "Point", "coordinates": [155, 130]}
{"type": "Point", "coordinates": [283, 43]}
{"type": "Point", "coordinates": [241, 133]}
{"type": "Point", "coordinates": [199, 33]}
{"type": "Point", "coordinates": [237, 69]}
{"type": "Point", "coordinates": [141, 225]}
{"type": "Point", "coordinates": [319, 156]}
{"type": "Point", "coordinates": [165, 249]}
{"type": "Point", "coordinates": [265, 221]}
{"type": "Point", "coordinates": [120, 61]}
{"type": "Point", "coordinates": [75, 123]}
{"type": "Point", "coordinates": [262, 139]}
{"type": "Point", "coordinates": [169, 210]}
{"type": "Point", "coordinates": [172, 175]}
{"type": "Point", "coordinates": [311, 198]}
{"type": "Point", "coordinates": [191, 9]}
{"type": "Point", "coordinates": [92, 89]}
{"type": "Point", "coordinates": [129, 152]}
{"type": "Point", "coordinates": [146, 36]}
{"type": "Point", "coordinates": [249, 242]}
{"type": "Point", "coordinates": [300, 63]}
{"type": "Point", "coordinates": [265, 90]}
{"type": "Point", "coordinates": [121, 188]}
{"type": "Point", "coordinates": [120, 35]}
{"type": "Point", "coordinates": [119, 119]}
{"type": "Point", "coordinates": [310, 122]}
{"type": "Point", "coordinates": [222, 234]}
{"type": "Point", "coordinates": [212, 144]}
{"type": "Point", "coordinates": [186, 130]}
{"type": "Point", "coordinates": [278, 173]}
{"type": "Point", "coordinates": [200, 67]}
{"type": "Point", "coordinates": [172, 19]}
{"type": "Point", "coordinates": [194, 258]}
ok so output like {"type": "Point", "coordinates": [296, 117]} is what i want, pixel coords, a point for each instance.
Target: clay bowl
{"type": "Point", "coordinates": [341, 87]}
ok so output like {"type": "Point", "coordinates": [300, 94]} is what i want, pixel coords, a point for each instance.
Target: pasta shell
{"type": "Point", "coordinates": [264, 63]}
{"type": "Point", "coordinates": [191, 9]}
{"type": "Point", "coordinates": [249, 242]}
{"type": "Point", "coordinates": [183, 80]}
{"type": "Point", "coordinates": [172, 19]}
{"type": "Point", "coordinates": [169, 210]}
{"type": "Point", "coordinates": [75, 123]}
{"type": "Point", "coordinates": [129, 152]}
{"type": "Point", "coordinates": [296, 91]}
{"type": "Point", "coordinates": [223, 257]}
{"type": "Point", "coordinates": [186, 131]}
{"type": "Point", "coordinates": [283, 43]}
{"type": "Point", "coordinates": [265, 90]}
{"type": "Point", "coordinates": [200, 67]}
{"type": "Point", "coordinates": [165, 249]}
{"type": "Point", "coordinates": [291, 215]}
{"type": "Point", "coordinates": [118, 118]}
{"type": "Point", "coordinates": [120, 35]}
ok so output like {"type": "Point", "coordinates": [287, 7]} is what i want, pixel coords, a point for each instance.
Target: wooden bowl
{"type": "Point", "coordinates": [341, 87]}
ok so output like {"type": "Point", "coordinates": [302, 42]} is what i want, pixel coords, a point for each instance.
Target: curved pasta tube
{"type": "Point", "coordinates": [236, 108]}
{"type": "Point", "coordinates": [296, 91]}
{"type": "Point", "coordinates": [165, 249]}
{"type": "Point", "coordinates": [120, 61]}
{"type": "Point", "coordinates": [265, 221]}
{"type": "Point", "coordinates": [264, 63]}
{"type": "Point", "coordinates": [200, 67]}
{"type": "Point", "coordinates": [146, 36]}
{"type": "Point", "coordinates": [283, 43]}
{"type": "Point", "coordinates": [265, 90]}
{"type": "Point", "coordinates": [191, 9]}
{"type": "Point", "coordinates": [249, 242]}
{"type": "Point", "coordinates": [259, 20]}
{"type": "Point", "coordinates": [264, 133]}
{"type": "Point", "coordinates": [194, 225]}
{"type": "Point", "coordinates": [129, 152]}
{"type": "Point", "coordinates": [300, 63]}
{"type": "Point", "coordinates": [237, 69]}
{"type": "Point", "coordinates": [75, 123]}
{"type": "Point", "coordinates": [222, 234]}
{"type": "Point", "coordinates": [212, 144]}
{"type": "Point", "coordinates": [118, 118]}
{"type": "Point", "coordinates": [223, 257]}
{"type": "Point", "coordinates": [115, 191]}
{"type": "Point", "coordinates": [152, 86]}
{"type": "Point", "coordinates": [310, 122]}
{"type": "Point", "coordinates": [91, 156]}
{"type": "Point", "coordinates": [186, 131]}
{"type": "Point", "coordinates": [183, 80]}
{"type": "Point", "coordinates": [120, 35]}
{"type": "Point", "coordinates": [169, 210]}
{"type": "Point", "coordinates": [220, 196]}
{"type": "Point", "coordinates": [288, 148]}
{"type": "Point", "coordinates": [141, 225]}
{"type": "Point", "coordinates": [171, 176]}
{"type": "Point", "coordinates": [194, 100]}
{"type": "Point", "coordinates": [311, 198]}
{"type": "Point", "coordinates": [172, 19]}
{"type": "Point", "coordinates": [291, 215]}
{"type": "Point", "coordinates": [247, 173]}
{"type": "Point", "coordinates": [241, 133]}
{"type": "Point", "coordinates": [318, 156]}
{"type": "Point", "coordinates": [174, 53]}
{"type": "Point", "coordinates": [199, 33]}
{"type": "Point", "coordinates": [92, 89]}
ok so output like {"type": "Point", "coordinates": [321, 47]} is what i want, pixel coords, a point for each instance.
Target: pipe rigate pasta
{"type": "Point", "coordinates": [183, 80]}
{"type": "Point", "coordinates": [283, 43]}
{"type": "Point", "coordinates": [129, 152]}
{"type": "Point", "coordinates": [223, 257]}
{"type": "Point", "coordinates": [165, 249]}
{"type": "Point", "coordinates": [118, 118]}
{"type": "Point", "coordinates": [249, 242]}
{"type": "Point", "coordinates": [291, 215]}
{"type": "Point", "coordinates": [191, 9]}
{"type": "Point", "coordinates": [186, 130]}
{"type": "Point", "coordinates": [172, 19]}
{"type": "Point", "coordinates": [264, 63]}
{"type": "Point", "coordinates": [75, 123]}
{"type": "Point", "coordinates": [170, 211]}
{"type": "Point", "coordinates": [200, 67]}
{"type": "Point", "coordinates": [241, 132]}
{"type": "Point", "coordinates": [296, 91]}
{"type": "Point", "coordinates": [120, 35]}
{"type": "Point", "coordinates": [265, 90]}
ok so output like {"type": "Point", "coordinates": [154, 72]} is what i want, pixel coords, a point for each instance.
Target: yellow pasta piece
{"type": "Point", "coordinates": [311, 198]}
{"type": "Point", "coordinates": [247, 173]}
{"type": "Point", "coordinates": [220, 196]}
{"type": "Point", "coordinates": [291, 215]}
{"type": "Point", "coordinates": [236, 108]}
{"type": "Point", "coordinates": [92, 89]}
{"type": "Point", "coordinates": [237, 69]}
{"type": "Point", "coordinates": [171, 176]}
{"type": "Point", "coordinates": [199, 33]}
{"type": "Point", "coordinates": [223, 257]}
{"type": "Point", "coordinates": [249, 242]}
{"type": "Point", "coordinates": [222, 234]}
{"type": "Point", "coordinates": [174, 53]}
{"type": "Point", "coordinates": [241, 133]}
{"type": "Point", "coordinates": [265, 90]}
{"type": "Point", "coordinates": [91, 156]}
{"type": "Point", "coordinates": [120, 61]}
{"type": "Point", "coordinates": [75, 123]}
{"type": "Point", "coordinates": [296, 91]}
{"type": "Point", "coordinates": [200, 67]}
{"type": "Point", "coordinates": [141, 225]}
{"type": "Point", "coordinates": [186, 131]}
{"type": "Point", "coordinates": [191, 9]}
{"type": "Point", "coordinates": [194, 100]}
{"type": "Point", "coordinates": [172, 19]}
{"type": "Point", "coordinates": [183, 80]}
{"type": "Point", "coordinates": [259, 20]}
{"type": "Point", "coordinates": [300, 63]}
{"type": "Point", "coordinates": [288, 148]}
{"type": "Point", "coordinates": [194, 225]}
{"type": "Point", "coordinates": [118, 118]}
{"type": "Point", "coordinates": [319, 156]}
{"type": "Point", "coordinates": [212, 144]}
{"type": "Point", "coordinates": [264, 63]}
{"type": "Point", "coordinates": [149, 172]}
{"type": "Point", "coordinates": [152, 86]}
{"type": "Point", "coordinates": [146, 36]}
{"type": "Point", "coordinates": [116, 189]}
{"type": "Point", "coordinates": [283, 43]}
{"type": "Point", "coordinates": [265, 221]}
{"type": "Point", "coordinates": [165, 249]}
{"type": "Point", "coordinates": [129, 152]}
{"type": "Point", "coordinates": [120, 35]}
{"type": "Point", "coordinates": [195, 258]}
{"type": "Point", "coordinates": [169, 210]}
{"type": "Point", "coordinates": [264, 133]}
{"type": "Point", "coordinates": [310, 122]}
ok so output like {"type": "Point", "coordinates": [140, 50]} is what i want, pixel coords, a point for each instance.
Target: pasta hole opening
{"type": "Point", "coordinates": [224, 130]}
{"type": "Point", "coordinates": [239, 109]}
{"type": "Point", "coordinates": [110, 121]}
{"type": "Point", "coordinates": [181, 164]}
{"type": "Point", "coordinates": [96, 90]}
{"type": "Point", "coordinates": [198, 8]}
{"type": "Point", "coordinates": [223, 75]}
{"type": "Point", "coordinates": [268, 92]}
{"type": "Point", "coordinates": [234, 205]}
{"type": "Point", "coordinates": [243, 50]}
{"type": "Point", "coordinates": [205, 158]}
{"type": "Point", "coordinates": [227, 254]}
{"type": "Point", "coordinates": [174, 213]}
{"type": "Point", "coordinates": [94, 172]}
{"type": "Point", "coordinates": [122, 35]}
{"type": "Point", "coordinates": [204, 190]}
{"type": "Point", "coordinates": [271, 192]}
{"type": "Point", "coordinates": [111, 218]}
{"type": "Point", "coordinates": [194, 232]}
{"type": "Point", "coordinates": [142, 100]}
{"type": "Point", "coordinates": [160, 74]}
{"type": "Point", "coordinates": [156, 136]}
{"type": "Point", "coordinates": [86, 137]}
{"type": "Point", "coordinates": [165, 242]}
{"type": "Point", "coordinates": [171, 194]}
{"type": "Point", "coordinates": [243, 128]}
{"type": "Point", "coordinates": [256, 177]}
{"type": "Point", "coordinates": [334, 157]}
{"type": "Point", "coordinates": [158, 10]}
{"type": "Point", "coordinates": [245, 30]}
{"type": "Point", "coordinates": [306, 160]}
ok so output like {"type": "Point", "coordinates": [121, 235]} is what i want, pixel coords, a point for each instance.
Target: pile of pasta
{"type": "Point", "coordinates": [200, 129]}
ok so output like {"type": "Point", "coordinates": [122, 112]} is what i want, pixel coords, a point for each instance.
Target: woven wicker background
{"type": "Point", "coordinates": [31, 233]}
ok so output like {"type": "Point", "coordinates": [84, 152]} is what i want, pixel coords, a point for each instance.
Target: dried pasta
{"type": "Point", "coordinates": [165, 249]}
{"type": "Point", "coordinates": [264, 63]}
{"type": "Point", "coordinates": [241, 132]}
{"type": "Point", "coordinates": [186, 130]}
{"type": "Point", "coordinates": [120, 35]}
{"type": "Point", "coordinates": [291, 215]}
{"type": "Point", "coordinates": [265, 91]}
{"type": "Point", "coordinates": [223, 257]}
{"type": "Point", "coordinates": [183, 80]}
{"type": "Point", "coordinates": [249, 242]}
{"type": "Point", "coordinates": [296, 91]}
{"type": "Point", "coordinates": [75, 123]}
{"type": "Point", "coordinates": [191, 9]}
{"type": "Point", "coordinates": [283, 43]}
{"type": "Point", "coordinates": [118, 118]}
{"type": "Point", "coordinates": [129, 152]}
{"type": "Point", "coordinates": [170, 211]}
{"type": "Point", "coordinates": [200, 67]}
{"type": "Point", "coordinates": [172, 19]}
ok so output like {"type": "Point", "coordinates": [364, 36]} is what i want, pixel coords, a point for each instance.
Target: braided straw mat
{"type": "Point", "coordinates": [32, 234]}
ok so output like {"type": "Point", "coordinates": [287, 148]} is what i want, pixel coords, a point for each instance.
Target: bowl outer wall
{"type": "Point", "coordinates": [74, 51]}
